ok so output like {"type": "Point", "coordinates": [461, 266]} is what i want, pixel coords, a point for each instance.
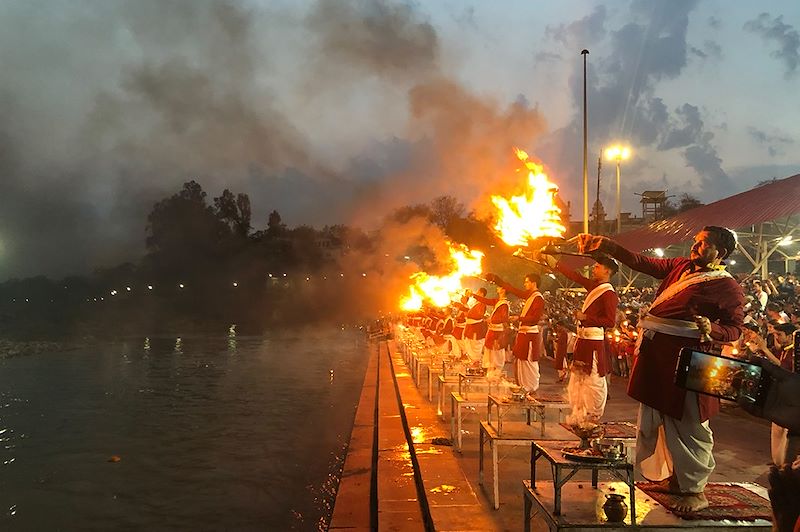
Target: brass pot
{"type": "Point", "coordinates": [615, 508]}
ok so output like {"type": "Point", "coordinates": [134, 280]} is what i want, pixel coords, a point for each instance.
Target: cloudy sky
{"type": "Point", "coordinates": [338, 111]}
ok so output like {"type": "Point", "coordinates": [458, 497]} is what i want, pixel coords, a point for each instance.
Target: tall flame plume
{"type": "Point", "coordinates": [439, 290]}
{"type": "Point", "coordinates": [534, 214]}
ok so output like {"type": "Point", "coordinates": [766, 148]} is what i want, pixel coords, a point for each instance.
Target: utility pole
{"type": "Point", "coordinates": [584, 53]}
{"type": "Point", "coordinates": [597, 201]}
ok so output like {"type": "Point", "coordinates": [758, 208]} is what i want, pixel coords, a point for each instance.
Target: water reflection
{"type": "Point", "coordinates": [190, 414]}
{"type": "Point", "coordinates": [232, 339]}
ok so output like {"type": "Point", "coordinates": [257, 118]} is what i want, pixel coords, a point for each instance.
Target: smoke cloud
{"type": "Point", "coordinates": [114, 106]}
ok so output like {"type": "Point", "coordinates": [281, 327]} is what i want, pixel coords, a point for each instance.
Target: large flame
{"type": "Point", "coordinates": [439, 290]}
{"type": "Point", "coordinates": [533, 214]}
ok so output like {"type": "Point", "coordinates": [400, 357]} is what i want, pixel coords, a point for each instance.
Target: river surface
{"type": "Point", "coordinates": [190, 433]}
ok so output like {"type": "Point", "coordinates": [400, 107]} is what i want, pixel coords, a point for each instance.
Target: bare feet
{"type": "Point", "coordinates": [668, 485]}
{"type": "Point", "coordinates": [690, 502]}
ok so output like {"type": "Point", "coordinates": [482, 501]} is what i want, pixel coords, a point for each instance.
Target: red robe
{"type": "Point", "coordinates": [461, 321]}
{"type": "Point", "coordinates": [527, 342]}
{"type": "Point", "coordinates": [438, 333]}
{"type": "Point", "coordinates": [461, 317]}
{"type": "Point", "coordinates": [448, 327]}
{"type": "Point", "coordinates": [652, 380]}
{"type": "Point", "coordinates": [601, 313]}
{"type": "Point", "coordinates": [495, 339]}
{"type": "Point", "coordinates": [475, 331]}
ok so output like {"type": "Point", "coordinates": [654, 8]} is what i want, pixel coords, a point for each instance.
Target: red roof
{"type": "Point", "coordinates": [778, 199]}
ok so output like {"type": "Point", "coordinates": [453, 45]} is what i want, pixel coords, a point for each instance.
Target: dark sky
{"type": "Point", "coordinates": [336, 112]}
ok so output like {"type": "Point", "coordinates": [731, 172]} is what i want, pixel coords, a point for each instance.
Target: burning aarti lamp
{"type": "Point", "coordinates": [587, 431]}
{"type": "Point", "coordinates": [553, 246]}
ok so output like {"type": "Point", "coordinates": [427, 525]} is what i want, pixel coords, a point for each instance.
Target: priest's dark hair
{"type": "Point", "coordinates": [534, 278]}
{"type": "Point", "coordinates": [722, 238]}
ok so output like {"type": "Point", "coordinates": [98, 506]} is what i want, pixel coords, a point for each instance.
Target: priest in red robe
{"type": "Point", "coordinates": [497, 334]}
{"type": "Point", "coordinates": [587, 387]}
{"type": "Point", "coordinates": [528, 344]}
{"type": "Point", "coordinates": [697, 301]}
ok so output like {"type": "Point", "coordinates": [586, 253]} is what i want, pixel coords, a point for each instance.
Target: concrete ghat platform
{"type": "Point", "coordinates": [395, 478]}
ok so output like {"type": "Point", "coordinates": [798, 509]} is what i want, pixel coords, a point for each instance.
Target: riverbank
{"type": "Point", "coordinates": [741, 452]}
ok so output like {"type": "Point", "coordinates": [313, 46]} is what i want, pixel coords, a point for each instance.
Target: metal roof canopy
{"type": "Point", "coordinates": [762, 217]}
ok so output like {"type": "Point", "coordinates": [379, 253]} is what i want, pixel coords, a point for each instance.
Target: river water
{"type": "Point", "coordinates": [189, 433]}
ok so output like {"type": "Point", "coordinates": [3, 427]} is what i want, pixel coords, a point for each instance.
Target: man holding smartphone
{"type": "Point", "coordinates": [697, 302]}
{"type": "Point", "coordinates": [784, 443]}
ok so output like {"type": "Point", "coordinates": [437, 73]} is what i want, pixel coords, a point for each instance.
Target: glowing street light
{"type": "Point", "coordinates": [658, 252]}
{"type": "Point", "coordinates": [618, 153]}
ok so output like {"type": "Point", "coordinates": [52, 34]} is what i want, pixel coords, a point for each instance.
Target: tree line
{"type": "Point", "coordinates": [205, 263]}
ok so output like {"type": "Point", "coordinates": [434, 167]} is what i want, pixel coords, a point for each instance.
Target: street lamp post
{"type": "Point", "coordinates": [618, 154]}
{"type": "Point", "coordinates": [584, 53]}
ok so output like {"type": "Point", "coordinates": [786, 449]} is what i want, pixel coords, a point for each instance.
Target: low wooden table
{"type": "Point", "coordinates": [442, 388]}
{"type": "Point", "coordinates": [564, 469]}
{"type": "Point", "coordinates": [515, 434]}
{"type": "Point", "coordinates": [458, 404]}
{"type": "Point", "coordinates": [534, 410]}
{"type": "Point", "coordinates": [586, 511]}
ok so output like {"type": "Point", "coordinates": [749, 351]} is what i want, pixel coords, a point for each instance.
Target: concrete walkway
{"type": "Point", "coordinates": [395, 478]}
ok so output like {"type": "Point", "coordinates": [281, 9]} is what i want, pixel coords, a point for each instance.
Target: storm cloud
{"type": "Point", "coordinates": [623, 82]}
{"type": "Point", "coordinates": [774, 29]}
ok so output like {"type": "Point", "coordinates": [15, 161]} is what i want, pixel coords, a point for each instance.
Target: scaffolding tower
{"type": "Point", "coordinates": [653, 204]}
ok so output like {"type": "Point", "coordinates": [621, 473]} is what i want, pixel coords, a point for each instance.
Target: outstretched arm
{"type": "Point", "coordinates": [655, 267]}
{"type": "Point", "coordinates": [485, 300]}
{"type": "Point", "coordinates": [496, 279]}
{"type": "Point", "coordinates": [575, 277]}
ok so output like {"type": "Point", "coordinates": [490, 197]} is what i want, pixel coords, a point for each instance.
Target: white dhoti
{"type": "Point", "coordinates": [474, 348]}
{"type": "Point", "coordinates": [588, 393]}
{"type": "Point", "coordinates": [527, 372]}
{"type": "Point", "coordinates": [683, 448]}
{"type": "Point", "coordinates": [497, 358]}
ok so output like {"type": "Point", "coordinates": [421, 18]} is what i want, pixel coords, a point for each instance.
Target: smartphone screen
{"type": "Point", "coordinates": [727, 378]}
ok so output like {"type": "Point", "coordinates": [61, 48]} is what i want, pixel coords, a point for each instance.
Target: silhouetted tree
{"type": "Point", "coordinates": [444, 210]}
{"type": "Point", "coordinates": [404, 214]}
{"type": "Point", "coordinates": [686, 202]}
{"type": "Point", "coordinates": [274, 226]}
{"type": "Point", "coordinates": [234, 211]}
{"type": "Point", "coordinates": [183, 232]}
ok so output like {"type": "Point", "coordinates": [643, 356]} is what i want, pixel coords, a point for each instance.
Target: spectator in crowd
{"type": "Point", "coordinates": [781, 406]}
{"type": "Point", "coordinates": [760, 295]}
